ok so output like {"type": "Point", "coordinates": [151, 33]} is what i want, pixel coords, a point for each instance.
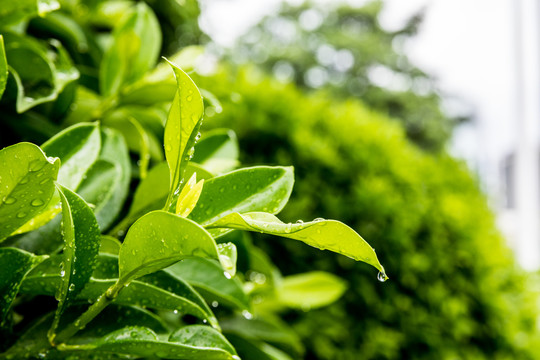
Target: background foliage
{"type": "Point", "coordinates": [455, 291]}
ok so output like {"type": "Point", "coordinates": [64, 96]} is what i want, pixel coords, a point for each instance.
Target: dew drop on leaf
{"type": "Point", "coordinates": [36, 202]}
{"type": "Point", "coordinates": [381, 276]}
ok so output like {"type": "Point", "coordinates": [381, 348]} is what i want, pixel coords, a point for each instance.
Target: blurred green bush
{"type": "Point", "coordinates": [455, 291]}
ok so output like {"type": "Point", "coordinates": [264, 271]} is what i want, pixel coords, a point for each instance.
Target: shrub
{"type": "Point", "coordinates": [455, 293]}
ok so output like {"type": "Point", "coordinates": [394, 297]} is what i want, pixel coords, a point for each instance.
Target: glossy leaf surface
{"type": "Point", "coordinates": [82, 239]}
{"type": "Point", "coordinates": [26, 185]}
{"type": "Point", "coordinates": [181, 130]}
{"type": "Point", "coordinates": [15, 264]}
{"type": "Point", "coordinates": [260, 188]}
{"type": "Point", "coordinates": [158, 240]}
{"type": "Point", "coordinates": [323, 234]}
{"type": "Point", "coordinates": [189, 196]}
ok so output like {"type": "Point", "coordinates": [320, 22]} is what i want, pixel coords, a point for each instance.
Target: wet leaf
{"type": "Point", "coordinates": [158, 240]}
{"type": "Point", "coordinates": [82, 240]}
{"type": "Point", "coordinates": [260, 188]}
{"type": "Point", "coordinates": [183, 123]}
{"type": "Point", "coordinates": [15, 264]}
{"type": "Point", "coordinates": [323, 234]}
{"type": "Point", "coordinates": [217, 151]}
{"type": "Point", "coordinates": [26, 185]}
{"type": "Point", "coordinates": [189, 196]}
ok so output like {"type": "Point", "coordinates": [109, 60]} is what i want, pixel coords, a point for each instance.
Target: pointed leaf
{"type": "Point", "coordinates": [189, 196]}
{"type": "Point", "coordinates": [227, 257]}
{"type": "Point", "coordinates": [26, 185]}
{"type": "Point", "coordinates": [260, 188]}
{"type": "Point", "coordinates": [134, 50]}
{"type": "Point", "coordinates": [217, 151]}
{"type": "Point", "coordinates": [183, 123]}
{"type": "Point", "coordinates": [323, 234]}
{"type": "Point", "coordinates": [15, 264]}
{"type": "Point", "coordinates": [208, 278]}
{"type": "Point", "coordinates": [158, 240]}
{"type": "Point", "coordinates": [82, 239]}
{"type": "Point", "coordinates": [109, 245]}
{"type": "Point", "coordinates": [201, 336]}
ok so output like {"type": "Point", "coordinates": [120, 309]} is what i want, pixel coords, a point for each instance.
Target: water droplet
{"type": "Point", "coordinates": [318, 219]}
{"type": "Point", "coordinates": [215, 304]}
{"type": "Point", "coordinates": [227, 275]}
{"type": "Point", "coordinates": [62, 273]}
{"type": "Point", "coordinates": [381, 276]}
{"type": "Point", "coordinates": [21, 214]}
{"type": "Point", "coordinates": [24, 180]}
{"type": "Point", "coordinates": [247, 315]}
{"type": "Point", "coordinates": [44, 181]}
{"type": "Point", "coordinates": [36, 202]}
{"type": "Point", "coordinates": [175, 311]}
{"type": "Point", "coordinates": [189, 98]}
{"type": "Point", "coordinates": [300, 222]}
{"type": "Point", "coordinates": [71, 287]}
{"type": "Point", "coordinates": [9, 200]}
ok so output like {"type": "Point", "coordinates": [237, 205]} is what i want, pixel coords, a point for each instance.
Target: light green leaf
{"type": "Point", "coordinates": [323, 234]}
{"type": "Point", "coordinates": [189, 196]}
{"type": "Point", "coordinates": [16, 11]}
{"type": "Point", "coordinates": [260, 188]}
{"type": "Point", "coordinates": [158, 240]}
{"type": "Point", "coordinates": [217, 151]}
{"type": "Point", "coordinates": [227, 257]}
{"type": "Point", "coordinates": [134, 50]}
{"type": "Point", "coordinates": [201, 336]}
{"type": "Point", "coordinates": [26, 185]}
{"type": "Point", "coordinates": [15, 264]}
{"type": "Point", "coordinates": [109, 245]}
{"type": "Point", "coordinates": [98, 185]}
{"type": "Point", "coordinates": [3, 67]}
{"type": "Point", "coordinates": [183, 123]}
{"type": "Point", "coordinates": [208, 278]}
{"type": "Point", "coordinates": [310, 290]}
{"type": "Point", "coordinates": [82, 239]}
{"type": "Point", "coordinates": [254, 349]}
{"type": "Point", "coordinates": [143, 342]}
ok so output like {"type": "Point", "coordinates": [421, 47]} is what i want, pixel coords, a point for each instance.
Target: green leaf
{"type": "Point", "coordinates": [260, 188]}
{"type": "Point", "coordinates": [26, 185]}
{"type": "Point", "coordinates": [82, 239]}
{"type": "Point", "coordinates": [109, 245]}
{"type": "Point", "coordinates": [208, 278]}
{"type": "Point", "coordinates": [162, 290]}
{"type": "Point", "coordinates": [143, 342]}
{"type": "Point", "coordinates": [310, 290]}
{"type": "Point", "coordinates": [40, 70]}
{"type": "Point", "coordinates": [323, 234]}
{"type": "Point", "coordinates": [227, 257]}
{"type": "Point", "coordinates": [3, 67]}
{"type": "Point", "coordinates": [134, 50]}
{"type": "Point", "coordinates": [217, 151]}
{"type": "Point", "coordinates": [201, 336]}
{"type": "Point", "coordinates": [189, 196]}
{"type": "Point", "coordinates": [253, 349]}
{"type": "Point", "coordinates": [78, 148]}
{"type": "Point", "coordinates": [15, 264]}
{"type": "Point", "coordinates": [183, 123]}
{"type": "Point", "coordinates": [158, 240]}
{"type": "Point", "coordinates": [16, 11]}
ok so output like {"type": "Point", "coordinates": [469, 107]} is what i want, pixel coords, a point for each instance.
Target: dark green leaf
{"type": "Point", "coordinates": [323, 234]}
{"type": "Point", "coordinates": [27, 184]}
{"type": "Point", "coordinates": [208, 278]}
{"type": "Point", "coordinates": [82, 239]}
{"type": "Point", "coordinates": [260, 188]}
{"type": "Point", "coordinates": [15, 264]}
{"type": "Point", "coordinates": [158, 240]}
{"type": "Point", "coordinates": [181, 130]}
{"type": "Point", "coordinates": [201, 336]}
{"type": "Point", "coordinates": [134, 50]}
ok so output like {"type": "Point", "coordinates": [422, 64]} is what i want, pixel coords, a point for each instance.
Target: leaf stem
{"type": "Point", "coordinates": [103, 301]}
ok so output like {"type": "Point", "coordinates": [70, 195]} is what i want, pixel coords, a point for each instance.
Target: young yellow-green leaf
{"type": "Point", "coordinates": [143, 342]}
{"type": "Point", "coordinates": [189, 196]}
{"type": "Point", "coordinates": [310, 290]}
{"type": "Point", "coordinates": [15, 264]}
{"type": "Point", "coordinates": [323, 234]}
{"type": "Point", "coordinates": [217, 151]}
{"type": "Point", "coordinates": [183, 123]}
{"type": "Point", "coordinates": [15, 11]}
{"type": "Point", "coordinates": [208, 278]}
{"type": "Point", "coordinates": [134, 50]}
{"type": "Point", "coordinates": [26, 185]}
{"type": "Point", "coordinates": [158, 240]}
{"type": "Point", "coordinates": [3, 67]}
{"type": "Point", "coordinates": [260, 188]}
{"type": "Point", "coordinates": [82, 240]}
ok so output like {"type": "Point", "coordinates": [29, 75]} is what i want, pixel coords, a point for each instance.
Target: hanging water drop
{"type": "Point", "coordinates": [381, 276]}
{"type": "Point", "coordinates": [37, 202]}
